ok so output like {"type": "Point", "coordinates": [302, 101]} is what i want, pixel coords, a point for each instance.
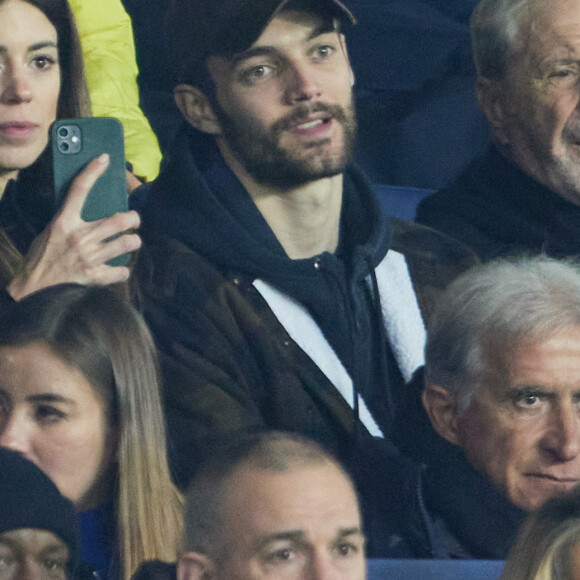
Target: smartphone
{"type": "Point", "coordinates": [75, 142]}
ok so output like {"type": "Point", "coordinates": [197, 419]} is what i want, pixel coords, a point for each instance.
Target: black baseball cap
{"type": "Point", "coordinates": [197, 29]}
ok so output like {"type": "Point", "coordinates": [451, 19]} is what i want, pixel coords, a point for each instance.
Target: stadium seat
{"type": "Point", "coordinates": [399, 201]}
{"type": "Point", "coordinates": [434, 569]}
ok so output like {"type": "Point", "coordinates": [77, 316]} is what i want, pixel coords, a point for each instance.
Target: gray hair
{"type": "Point", "coordinates": [498, 305]}
{"type": "Point", "coordinates": [495, 25]}
{"type": "Point", "coordinates": [207, 493]}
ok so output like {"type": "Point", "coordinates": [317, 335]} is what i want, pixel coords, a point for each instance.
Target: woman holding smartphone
{"type": "Point", "coordinates": [79, 398]}
{"type": "Point", "coordinates": [41, 79]}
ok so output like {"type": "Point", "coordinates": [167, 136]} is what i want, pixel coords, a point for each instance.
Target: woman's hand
{"type": "Point", "coordinates": [133, 182]}
{"type": "Point", "coordinates": [72, 250]}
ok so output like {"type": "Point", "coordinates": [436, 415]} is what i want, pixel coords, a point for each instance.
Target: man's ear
{"type": "Point", "coordinates": [491, 99]}
{"type": "Point", "coordinates": [195, 566]}
{"type": "Point", "coordinates": [196, 109]}
{"type": "Point", "coordinates": [441, 406]}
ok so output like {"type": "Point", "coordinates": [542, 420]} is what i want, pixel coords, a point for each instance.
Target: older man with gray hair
{"type": "Point", "coordinates": [524, 194]}
{"type": "Point", "coordinates": [502, 378]}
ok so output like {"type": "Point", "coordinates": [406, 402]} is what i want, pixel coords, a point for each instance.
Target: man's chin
{"type": "Point", "coordinates": [540, 490]}
{"type": "Point", "coordinates": [294, 172]}
{"type": "Point", "coordinates": [296, 177]}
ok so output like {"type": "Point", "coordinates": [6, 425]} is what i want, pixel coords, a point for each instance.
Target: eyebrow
{"type": "Point", "coordinates": [324, 28]}
{"type": "Point", "coordinates": [50, 398]}
{"type": "Point", "coordinates": [41, 45]}
{"type": "Point", "coordinates": [39, 398]}
{"type": "Point", "coordinates": [57, 548]}
{"type": "Point", "coordinates": [34, 47]}
{"type": "Point", "coordinates": [299, 536]}
{"type": "Point", "coordinates": [343, 532]}
{"type": "Point", "coordinates": [290, 536]}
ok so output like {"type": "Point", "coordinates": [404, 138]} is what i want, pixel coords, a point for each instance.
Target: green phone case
{"type": "Point", "coordinates": [75, 142]}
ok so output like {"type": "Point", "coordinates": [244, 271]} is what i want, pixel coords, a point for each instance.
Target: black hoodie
{"type": "Point", "coordinates": [228, 362]}
{"type": "Point", "coordinates": [221, 222]}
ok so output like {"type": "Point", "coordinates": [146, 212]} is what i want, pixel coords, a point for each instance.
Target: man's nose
{"type": "Point", "coordinates": [302, 83]}
{"type": "Point", "coordinates": [562, 438]}
{"type": "Point", "coordinates": [27, 570]}
{"type": "Point", "coordinates": [323, 567]}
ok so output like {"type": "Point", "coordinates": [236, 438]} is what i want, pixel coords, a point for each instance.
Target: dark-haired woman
{"type": "Point", "coordinates": [41, 79]}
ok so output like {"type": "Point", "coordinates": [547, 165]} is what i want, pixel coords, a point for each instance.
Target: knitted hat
{"type": "Point", "coordinates": [29, 499]}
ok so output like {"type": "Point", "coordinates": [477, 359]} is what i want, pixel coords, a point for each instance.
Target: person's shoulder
{"type": "Point", "coordinates": [481, 188]}
{"type": "Point", "coordinates": [166, 266]}
{"type": "Point", "coordinates": [423, 243]}
{"type": "Point", "coordinates": [434, 260]}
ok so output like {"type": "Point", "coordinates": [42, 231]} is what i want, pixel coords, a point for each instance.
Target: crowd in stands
{"type": "Point", "coordinates": [286, 380]}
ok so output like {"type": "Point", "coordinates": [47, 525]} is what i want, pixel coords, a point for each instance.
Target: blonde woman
{"type": "Point", "coordinates": [79, 397]}
{"type": "Point", "coordinates": [548, 545]}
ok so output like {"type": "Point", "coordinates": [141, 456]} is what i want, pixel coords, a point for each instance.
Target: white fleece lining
{"type": "Point", "coordinates": [308, 336]}
{"type": "Point", "coordinates": [403, 321]}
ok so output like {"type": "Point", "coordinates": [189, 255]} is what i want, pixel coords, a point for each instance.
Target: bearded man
{"type": "Point", "coordinates": [278, 293]}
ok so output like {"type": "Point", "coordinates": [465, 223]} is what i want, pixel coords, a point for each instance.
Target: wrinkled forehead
{"type": "Point", "coordinates": [544, 28]}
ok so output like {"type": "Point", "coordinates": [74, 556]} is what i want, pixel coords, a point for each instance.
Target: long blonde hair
{"type": "Point", "coordinates": [96, 331]}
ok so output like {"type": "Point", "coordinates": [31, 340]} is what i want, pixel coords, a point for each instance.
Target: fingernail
{"type": "Point", "coordinates": [103, 158]}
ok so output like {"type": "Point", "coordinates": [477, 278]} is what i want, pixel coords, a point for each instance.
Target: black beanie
{"type": "Point", "coordinates": [29, 499]}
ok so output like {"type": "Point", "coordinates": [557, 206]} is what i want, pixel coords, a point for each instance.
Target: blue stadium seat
{"type": "Point", "coordinates": [434, 569]}
{"type": "Point", "coordinates": [399, 201]}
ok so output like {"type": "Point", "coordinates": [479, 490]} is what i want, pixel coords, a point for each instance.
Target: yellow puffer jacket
{"type": "Point", "coordinates": [106, 35]}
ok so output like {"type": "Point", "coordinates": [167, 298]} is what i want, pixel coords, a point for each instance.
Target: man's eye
{"type": "Point", "coordinates": [566, 74]}
{"type": "Point", "coordinates": [530, 401]}
{"type": "Point", "coordinates": [257, 73]}
{"type": "Point", "coordinates": [324, 51]}
{"type": "Point", "coordinates": [56, 568]}
{"type": "Point", "coordinates": [281, 557]}
{"type": "Point", "coordinates": [54, 564]}
{"type": "Point", "coordinates": [347, 549]}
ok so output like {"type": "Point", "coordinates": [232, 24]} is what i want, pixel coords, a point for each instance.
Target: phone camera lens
{"type": "Point", "coordinates": [63, 132]}
{"type": "Point", "coordinates": [64, 147]}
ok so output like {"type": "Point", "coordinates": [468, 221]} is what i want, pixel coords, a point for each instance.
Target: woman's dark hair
{"type": "Point", "coordinates": [73, 101]}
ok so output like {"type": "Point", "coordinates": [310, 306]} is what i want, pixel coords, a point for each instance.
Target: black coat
{"type": "Point", "coordinates": [498, 210]}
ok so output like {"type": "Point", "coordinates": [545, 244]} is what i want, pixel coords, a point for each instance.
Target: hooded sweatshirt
{"type": "Point", "coordinates": [222, 223]}
{"type": "Point", "coordinates": [211, 278]}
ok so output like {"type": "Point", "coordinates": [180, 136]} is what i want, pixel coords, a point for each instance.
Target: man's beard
{"type": "Point", "coordinates": [261, 155]}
